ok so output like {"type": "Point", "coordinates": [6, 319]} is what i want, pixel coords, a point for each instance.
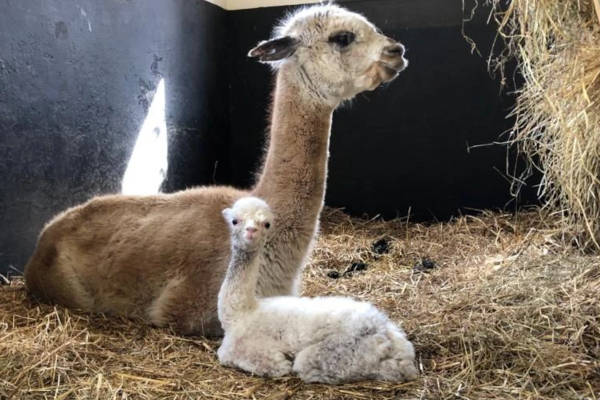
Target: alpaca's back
{"type": "Point", "coordinates": [133, 255]}
{"type": "Point", "coordinates": [305, 320]}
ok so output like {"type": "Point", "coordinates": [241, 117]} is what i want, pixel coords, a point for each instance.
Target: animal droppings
{"type": "Point", "coordinates": [355, 267]}
{"type": "Point", "coordinates": [333, 274]}
{"type": "Point", "coordinates": [381, 246]}
{"type": "Point", "coordinates": [425, 265]}
{"type": "Point", "coordinates": [443, 308]}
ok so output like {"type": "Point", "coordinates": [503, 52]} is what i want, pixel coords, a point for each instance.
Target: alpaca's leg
{"type": "Point", "coordinates": [402, 347]}
{"type": "Point", "coordinates": [51, 276]}
{"type": "Point", "coordinates": [397, 370]}
{"type": "Point", "coordinates": [307, 365]}
{"type": "Point", "coordinates": [400, 366]}
{"type": "Point", "coordinates": [266, 363]}
{"type": "Point", "coordinates": [330, 360]}
{"type": "Point", "coordinates": [63, 286]}
{"type": "Point", "coordinates": [259, 357]}
{"type": "Point", "coordinates": [180, 305]}
{"type": "Point", "coordinates": [344, 358]}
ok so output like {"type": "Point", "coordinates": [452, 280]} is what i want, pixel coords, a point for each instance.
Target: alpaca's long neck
{"type": "Point", "coordinates": [237, 295]}
{"type": "Point", "coordinates": [295, 169]}
{"type": "Point", "coordinates": [293, 179]}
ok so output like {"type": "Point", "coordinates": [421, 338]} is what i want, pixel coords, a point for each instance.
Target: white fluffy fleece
{"type": "Point", "coordinates": [322, 339]}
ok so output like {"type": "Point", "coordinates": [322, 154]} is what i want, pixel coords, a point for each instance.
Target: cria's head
{"type": "Point", "coordinates": [338, 53]}
{"type": "Point", "coordinates": [250, 220]}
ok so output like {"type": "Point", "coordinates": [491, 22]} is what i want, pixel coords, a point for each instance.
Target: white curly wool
{"type": "Point", "coordinates": [322, 339]}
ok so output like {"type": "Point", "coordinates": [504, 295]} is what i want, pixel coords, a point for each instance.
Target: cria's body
{"type": "Point", "coordinates": [323, 339]}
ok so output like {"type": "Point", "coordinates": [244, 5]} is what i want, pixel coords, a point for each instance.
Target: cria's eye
{"type": "Point", "coordinates": [342, 39]}
{"type": "Point", "coordinates": [267, 225]}
{"type": "Point", "coordinates": [234, 221]}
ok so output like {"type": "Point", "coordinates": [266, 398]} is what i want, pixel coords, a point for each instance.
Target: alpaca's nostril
{"type": "Point", "coordinates": [251, 229]}
{"type": "Point", "coordinates": [395, 50]}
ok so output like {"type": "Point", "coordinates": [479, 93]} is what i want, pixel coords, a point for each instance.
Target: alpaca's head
{"type": "Point", "coordinates": [250, 220]}
{"type": "Point", "coordinates": [338, 53]}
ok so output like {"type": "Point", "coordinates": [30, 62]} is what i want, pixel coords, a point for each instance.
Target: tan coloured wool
{"type": "Point", "coordinates": [163, 257]}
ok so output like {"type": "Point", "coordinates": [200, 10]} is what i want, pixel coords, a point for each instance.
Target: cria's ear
{"type": "Point", "coordinates": [227, 213]}
{"type": "Point", "coordinates": [275, 49]}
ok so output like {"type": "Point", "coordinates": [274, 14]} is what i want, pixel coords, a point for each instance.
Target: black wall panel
{"type": "Point", "coordinates": [404, 146]}
{"type": "Point", "coordinates": [76, 79]}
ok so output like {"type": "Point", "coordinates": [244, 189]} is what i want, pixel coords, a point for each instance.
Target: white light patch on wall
{"type": "Point", "coordinates": [244, 4]}
{"type": "Point", "coordinates": [147, 167]}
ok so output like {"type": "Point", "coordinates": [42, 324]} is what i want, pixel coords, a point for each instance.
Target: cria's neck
{"type": "Point", "coordinates": [237, 295]}
{"type": "Point", "coordinates": [242, 253]}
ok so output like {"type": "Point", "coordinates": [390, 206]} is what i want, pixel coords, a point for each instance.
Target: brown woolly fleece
{"type": "Point", "coordinates": [163, 258]}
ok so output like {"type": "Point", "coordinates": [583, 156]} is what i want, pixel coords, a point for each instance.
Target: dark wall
{"type": "Point", "coordinates": [76, 80]}
{"type": "Point", "coordinates": [404, 146]}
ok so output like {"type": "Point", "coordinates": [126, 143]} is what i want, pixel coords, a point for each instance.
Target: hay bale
{"type": "Point", "coordinates": [507, 314]}
{"type": "Point", "coordinates": [557, 48]}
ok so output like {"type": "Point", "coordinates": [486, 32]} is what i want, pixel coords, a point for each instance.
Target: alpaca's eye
{"type": "Point", "coordinates": [342, 39]}
{"type": "Point", "coordinates": [234, 221]}
{"type": "Point", "coordinates": [267, 225]}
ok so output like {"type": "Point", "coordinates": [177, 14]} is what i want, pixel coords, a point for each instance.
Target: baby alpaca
{"type": "Point", "coordinates": [322, 339]}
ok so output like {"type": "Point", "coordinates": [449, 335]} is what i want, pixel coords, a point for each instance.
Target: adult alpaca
{"type": "Point", "coordinates": [163, 257]}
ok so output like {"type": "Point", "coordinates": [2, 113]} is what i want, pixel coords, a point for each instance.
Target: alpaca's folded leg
{"type": "Point", "coordinates": [257, 358]}
{"type": "Point", "coordinates": [397, 370]}
{"type": "Point", "coordinates": [266, 363]}
{"type": "Point", "coordinates": [328, 361]}
{"type": "Point", "coordinates": [400, 366]}
{"type": "Point", "coordinates": [307, 366]}
{"type": "Point", "coordinates": [345, 358]}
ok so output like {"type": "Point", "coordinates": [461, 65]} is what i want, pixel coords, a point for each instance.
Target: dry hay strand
{"type": "Point", "coordinates": [557, 47]}
{"type": "Point", "coordinates": [507, 313]}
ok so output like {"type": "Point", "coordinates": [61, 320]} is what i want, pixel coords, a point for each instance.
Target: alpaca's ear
{"type": "Point", "coordinates": [227, 213]}
{"type": "Point", "coordinates": [275, 49]}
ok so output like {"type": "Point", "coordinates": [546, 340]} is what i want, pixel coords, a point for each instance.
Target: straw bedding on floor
{"type": "Point", "coordinates": [497, 305]}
